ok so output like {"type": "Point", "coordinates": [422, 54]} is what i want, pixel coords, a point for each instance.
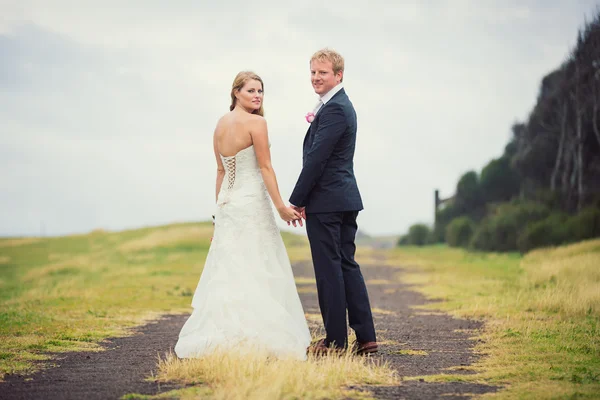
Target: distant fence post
{"type": "Point", "coordinates": [436, 205]}
{"type": "Point", "coordinates": [438, 202]}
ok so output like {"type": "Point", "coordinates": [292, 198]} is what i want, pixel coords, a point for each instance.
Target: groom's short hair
{"type": "Point", "coordinates": [327, 54]}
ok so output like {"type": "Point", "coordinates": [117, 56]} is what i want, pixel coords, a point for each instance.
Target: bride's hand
{"type": "Point", "coordinates": [289, 214]}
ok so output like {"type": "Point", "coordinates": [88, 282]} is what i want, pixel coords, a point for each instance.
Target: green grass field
{"type": "Point", "coordinates": [542, 314]}
{"type": "Point", "coordinates": [67, 293]}
{"type": "Point", "coordinates": [542, 311]}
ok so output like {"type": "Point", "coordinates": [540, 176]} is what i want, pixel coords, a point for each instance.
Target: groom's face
{"type": "Point", "coordinates": [322, 77]}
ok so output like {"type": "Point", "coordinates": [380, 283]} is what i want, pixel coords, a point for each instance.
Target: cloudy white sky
{"type": "Point", "coordinates": [107, 108]}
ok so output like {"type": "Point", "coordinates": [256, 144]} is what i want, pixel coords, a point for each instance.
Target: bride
{"type": "Point", "coordinates": [246, 298]}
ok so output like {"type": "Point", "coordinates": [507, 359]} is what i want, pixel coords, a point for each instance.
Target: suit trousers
{"type": "Point", "coordinates": [340, 284]}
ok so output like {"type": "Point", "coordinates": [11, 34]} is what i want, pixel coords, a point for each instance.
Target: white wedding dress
{"type": "Point", "coordinates": [246, 298]}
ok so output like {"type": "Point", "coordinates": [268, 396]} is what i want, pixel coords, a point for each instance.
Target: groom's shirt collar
{"type": "Point", "coordinates": [327, 96]}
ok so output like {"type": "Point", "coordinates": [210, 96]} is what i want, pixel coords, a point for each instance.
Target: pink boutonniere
{"type": "Point", "coordinates": [310, 117]}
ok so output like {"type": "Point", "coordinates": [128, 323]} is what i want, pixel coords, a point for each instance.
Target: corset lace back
{"type": "Point", "coordinates": [243, 179]}
{"type": "Point", "coordinates": [230, 163]}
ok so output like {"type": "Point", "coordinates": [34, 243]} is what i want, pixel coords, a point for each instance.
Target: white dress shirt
{"type": "Point", "coordinates": [327, 96]}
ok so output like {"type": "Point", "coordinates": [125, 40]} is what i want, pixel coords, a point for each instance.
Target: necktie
{"type": "Point", "coordinates": [318, 106]}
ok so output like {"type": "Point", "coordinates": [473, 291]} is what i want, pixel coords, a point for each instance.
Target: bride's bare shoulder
{"type": "Point", "coordinates": [256, 117]}
{"type": "Point", "coordinates": [256, 120]}
{"type": "Point", "coordinates": [237, 121]}
{"type": "Point", "coordinates": [223, 121]}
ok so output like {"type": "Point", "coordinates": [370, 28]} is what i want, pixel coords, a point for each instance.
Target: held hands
{"type": "Point", "coordinates": [302, 212]}
{"type": "Point", "coordinates": [291, 215]}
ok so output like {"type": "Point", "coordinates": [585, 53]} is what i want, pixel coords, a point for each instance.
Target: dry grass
{"type": "Point", "coordinates": [18, 242]}
{"type": "Point", "coordinates": [428, 313]}
{"type": "Point", "coordinates": [371, 282]}
{"type": "Point", "coordinates": [412, 352]}
{"type": "Point", "coordinates": [315, 318]}
{"type": "Point", "coordinates": [542, 314]}
{"type": "Point", "coordinates": [168, 237]}
{"type": "Point", "coordinates": [567, 279]}
{"type": "Point", "coordinates": [68, 293]}
{"type": "Point", "coordinates": [307, 289]}
{"type": "Point", "coordinates": [381, 311]}
{"type": "Point", "coordinates": [301, 280]}
{"type": "Point", "coordinates": [254, 376]}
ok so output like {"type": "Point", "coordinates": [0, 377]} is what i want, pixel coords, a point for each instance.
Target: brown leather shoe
{"type": "Point", "coordinates": [321, 349]}
{"type": "Point", "coordinates": [361, 349]}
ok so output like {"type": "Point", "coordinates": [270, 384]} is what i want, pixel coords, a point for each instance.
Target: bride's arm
{"type": "Point", "coordinates": [220, 168]}
{"type": "Point", "coordinates": [260, 140]}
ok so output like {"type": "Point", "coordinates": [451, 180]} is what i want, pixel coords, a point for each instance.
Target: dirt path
{"type": "Point", "coordinates": [110, 374]}
{"type": "Point", "coordinates": [414, 343]}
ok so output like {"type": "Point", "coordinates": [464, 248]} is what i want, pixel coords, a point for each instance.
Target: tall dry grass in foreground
{"type": "Point", "coordinates": [254, 376]}
{"type": "Point", "coordinates": [566, 280]}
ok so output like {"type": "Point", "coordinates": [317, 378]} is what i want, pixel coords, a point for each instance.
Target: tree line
{"type": "Point", "coordinates": [544, 189]}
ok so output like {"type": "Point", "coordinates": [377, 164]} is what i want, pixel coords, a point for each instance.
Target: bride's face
{"type": "Point", "coordinates": [251, 95]}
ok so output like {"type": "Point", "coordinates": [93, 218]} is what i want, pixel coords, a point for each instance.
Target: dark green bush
{"type": "Point", "coordinates": [499, 181]}
{"type": "Point", "coordinates": [551, 231]}
{"type": "Point", "coordinates": [433, 238]}
{"type": "Point", "coordinates": [444, 215]}
{"type": "Point", "coordinates": [500, 230]}
{"type": "Point", "coordinates": [460, 232]}
{"type": "Point", "coordinates": [403, 241]}
{"type": "Point", "coordinates": [419, 234]}
{"type": "Point", "coordinates": [553, 200]}
{"type": "Point", "coordinates": [468, 193]}
{"type": "Point", "coordinates": [560, 229]}
{"type": "Point", "coordinates": [585, 225]}
{"type": "Point", "coordinates": [482, 237]}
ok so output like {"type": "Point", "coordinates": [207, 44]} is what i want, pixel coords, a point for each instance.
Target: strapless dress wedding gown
{"type": "Point", "coordinates": [246, 298]}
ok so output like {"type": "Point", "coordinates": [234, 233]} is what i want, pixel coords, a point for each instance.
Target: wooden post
{"type": "Point", "coordinates": [436, 205]}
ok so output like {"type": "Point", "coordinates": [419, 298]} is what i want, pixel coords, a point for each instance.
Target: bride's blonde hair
{"type": "Point", "coordinates": [239, 82]}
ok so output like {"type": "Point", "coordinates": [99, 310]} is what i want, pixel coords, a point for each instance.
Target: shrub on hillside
{"type": "Point", "coordinates": [500, 230]}
{"type": "Point", "coordinates": [551, 231]}
{"type": "Point", "coordinates": [552, 200]}
{"type": "Point", "coordinates": [482, 237]}
{"type": "Point", "coordinates": [560, 229]}
{"type": "Point", "coordinates": [460, 232]}
{"type": "Point", "coordinates": [437, 233]}
{"type": "Point", "coordinates": [443, 217]}
{"type": "Point", "coordinates": [585, 225]}
{"type": "Point", "coordinates": [418, 234]}
{"type": "Point", "coordinates": [403, 241]}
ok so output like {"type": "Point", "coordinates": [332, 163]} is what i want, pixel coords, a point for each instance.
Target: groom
{"type": "Point", "coordinates": [327, 196]}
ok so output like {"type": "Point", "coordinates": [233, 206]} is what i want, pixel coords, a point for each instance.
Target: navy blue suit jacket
{"type": "Point", "coordinates": [327, 182]}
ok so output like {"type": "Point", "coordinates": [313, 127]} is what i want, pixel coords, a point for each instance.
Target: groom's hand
{"type": "Point", "coordinates": [302, 212]}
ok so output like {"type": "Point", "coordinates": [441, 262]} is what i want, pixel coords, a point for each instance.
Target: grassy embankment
{"type": "Point", "coordinates": [542, 313]}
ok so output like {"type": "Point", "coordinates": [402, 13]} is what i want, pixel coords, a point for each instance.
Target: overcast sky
{"type": "Point", "coordinates": [107, 108]}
